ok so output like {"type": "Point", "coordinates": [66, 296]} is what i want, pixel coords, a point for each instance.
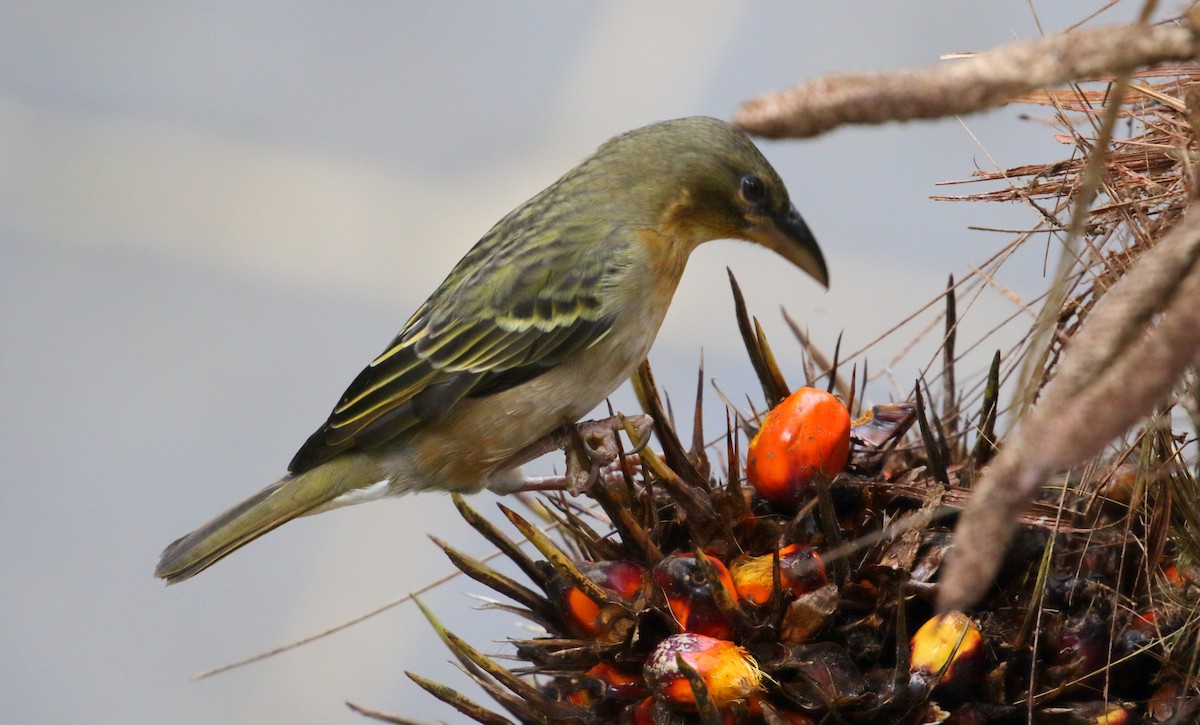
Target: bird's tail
{"type": "Point", "coordinates": [275, 505]}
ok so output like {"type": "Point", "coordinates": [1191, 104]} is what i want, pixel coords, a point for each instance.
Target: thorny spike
{"type": "Point", "coordinates": [776, 599]}
{"type": "Point", "coordinates": [793, 530]}
{"type": "Point", "coordinates": [939, 434]}
{"type": "Point", "coordinates": [772, 366]}
{"type": "Point", "coordinates": [459, 702]}
{"type": "Point", "coordinates": [532, 696]}
{"type": "Point", "coordinates": [834, 381]}
{"type": "Point", "coordinates": [937, 467]}
{"type": "Point", "coordinates": [580, 541]}
{"type": "Point", "coordinates": [555, 556]}
{"type": "Point", "coordinates": [733, 481]}
{"type": "Point", "coordinates": [540, 608]}
{"type": "Point", "coordinates": [498, 539]}
{"type": "Point", "coordinates": [594, 545]}
{"type": "Point", "coordinates": [758, 360]}
{"type": "Point", "coordinates": [697, 452]}
{"type": "Point", "coordinates": [985, 439]}
{"type": "Point", "coordinates": [695, 502]}
{"type": "Point", "coordinates": [554, 654]}
{"type": "Point", "coordinates": [827, 515]}
{"type": "Point", "coordinates": [853, 389]}
{"type": "Point", "coordinates": [622, 514]}
{"type": "Point", "coordinates": [440, 630]}
{"type": "Point", "coordinates": [725, 601]}
{"type": "Point", "coordinates": [626, 473]}
{"type": "Point", "coordinates": [506, 699]}
{"type": "Point", "coordinates": [709, 715]}
{"type": "Point", "coordinates": [673, 451]}
{"type": "Point", "coordinates": [949, 391]}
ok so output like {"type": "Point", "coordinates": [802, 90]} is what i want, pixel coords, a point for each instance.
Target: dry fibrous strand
{"type": "Point", "coordinates": [964, 85]}
{"type": "Point", "coordinates": [1115, 370]}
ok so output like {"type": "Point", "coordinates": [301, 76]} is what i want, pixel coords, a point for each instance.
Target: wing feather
{"type": "Point", "coordinates": [512, 317]}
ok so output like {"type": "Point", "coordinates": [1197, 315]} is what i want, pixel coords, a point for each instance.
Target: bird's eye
{"type": "Point", "coordinates": [753, 190]}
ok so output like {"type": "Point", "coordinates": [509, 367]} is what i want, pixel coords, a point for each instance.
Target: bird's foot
{"type": "Point", "coordinates": [610, 473]}
{"type": "Point", "coordinates": [592, 448]}
{"type": "Point", "coordinates": [592, 451]}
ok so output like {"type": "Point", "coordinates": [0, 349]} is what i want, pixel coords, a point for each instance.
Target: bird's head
{"type": "Point", "coordinates": [699, 179]}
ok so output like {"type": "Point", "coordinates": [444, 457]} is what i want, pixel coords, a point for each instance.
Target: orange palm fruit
{"type": "Point", "coordinates": [806, 435]}
{"type": "Point", "coordinates": [946, 650]}
{"type": "Point", "coordinates": [800, 570]}
{"type": "Point", "coordinates": [730, 674]}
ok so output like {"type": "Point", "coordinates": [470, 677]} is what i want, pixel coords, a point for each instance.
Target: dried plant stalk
{"type": "Point", "coordinates": [967, 85]}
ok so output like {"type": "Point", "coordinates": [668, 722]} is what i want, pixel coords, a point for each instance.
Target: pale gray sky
{"type": "Point", "coordinates": [212, 215]}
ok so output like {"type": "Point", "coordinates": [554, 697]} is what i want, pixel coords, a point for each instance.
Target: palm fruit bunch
{"type": "Point", "coordinates": [798, 587]}
{"type": "Point", "coordinates": [798, 584]}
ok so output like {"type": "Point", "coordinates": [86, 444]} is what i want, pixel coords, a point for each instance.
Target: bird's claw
{"type": "Point", "coordinates": [592, 446]}
{"type": "Point", "coordinates": [591, 449]}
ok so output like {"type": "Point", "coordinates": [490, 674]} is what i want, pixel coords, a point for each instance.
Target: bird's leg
{"type": "Point", "coordinates": [591, 450]}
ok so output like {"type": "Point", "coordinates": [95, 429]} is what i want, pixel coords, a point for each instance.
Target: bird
{"type": "Point", "coordinates": [549, 312]}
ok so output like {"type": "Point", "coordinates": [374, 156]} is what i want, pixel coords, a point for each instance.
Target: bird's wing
{"type": "Point", "coordinates": [493, 324]}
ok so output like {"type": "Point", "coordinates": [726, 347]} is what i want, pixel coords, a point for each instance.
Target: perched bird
{"type": "Point", "coordinates": [549, 312]}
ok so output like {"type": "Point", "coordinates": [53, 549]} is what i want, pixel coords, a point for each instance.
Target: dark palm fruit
{"type": "Point", "coordinates": [691, 594]}
{"type": "Point", "coordinates": [608, 683]}
{"type": "Point", "coordinates": [623, 579]}
{"type": "Point", "coordinates": [1080, 645]}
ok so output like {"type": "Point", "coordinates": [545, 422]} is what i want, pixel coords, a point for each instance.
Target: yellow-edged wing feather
{"type": "Point", "coordinates": [509, 311]}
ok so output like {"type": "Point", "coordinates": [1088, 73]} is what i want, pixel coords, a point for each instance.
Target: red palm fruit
{"type": "Point", "coordinates": [624, 579]}
{"type": "Point", "coordinates": [729, 673]}
{"type": "Point", "coordinates": [805, 436]}
{"type": "Point", "coordinates": [800, 571]}
{"type": "Point", "coordinates": [692, 595]}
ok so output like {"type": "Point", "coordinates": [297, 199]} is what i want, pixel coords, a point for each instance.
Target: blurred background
{"type": "Point", "coordinates": [212, 215]}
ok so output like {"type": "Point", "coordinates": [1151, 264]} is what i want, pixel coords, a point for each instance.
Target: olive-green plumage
{"type": "Point", "coordinates": [535, 326]}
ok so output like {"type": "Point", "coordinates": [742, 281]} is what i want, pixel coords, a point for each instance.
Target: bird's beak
{"type": "Point", "coordinates": [788, 235]}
